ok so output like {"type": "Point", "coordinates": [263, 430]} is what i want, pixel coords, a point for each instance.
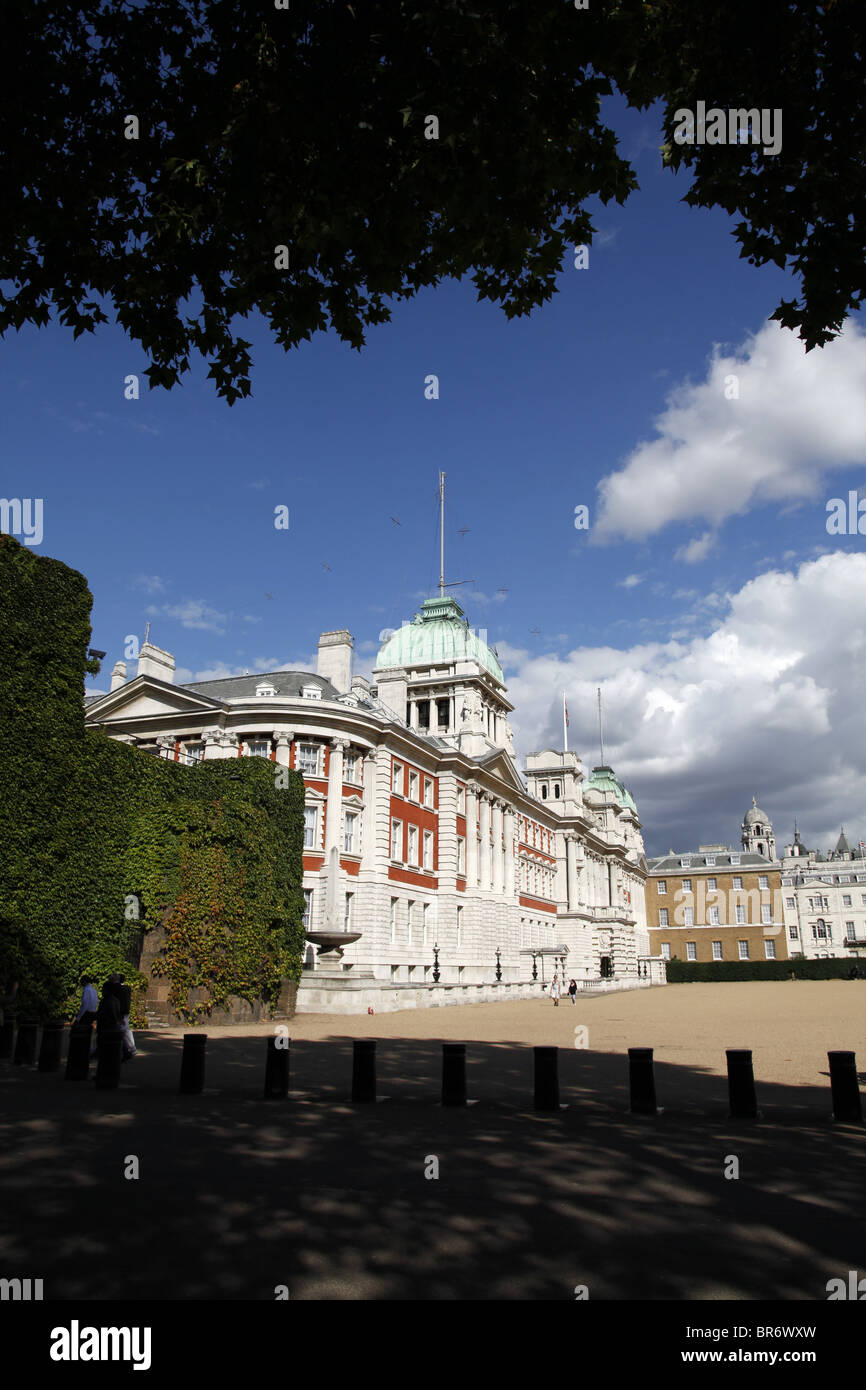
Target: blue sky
{"type": "Point", "coordinates": [698, 599]}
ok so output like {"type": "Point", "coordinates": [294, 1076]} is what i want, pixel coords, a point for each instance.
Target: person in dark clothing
{"type": "Point", "coordinates": [109, 1018]}
{"type": "Point", "coordinates": [125, 996]}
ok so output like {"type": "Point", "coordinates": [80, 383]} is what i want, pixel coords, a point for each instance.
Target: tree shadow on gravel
{"type": "Point", "coordinates": [237, 1195]}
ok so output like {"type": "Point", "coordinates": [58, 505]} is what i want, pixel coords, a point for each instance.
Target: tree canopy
{"type": "Point", "coordinates": [308, 128]}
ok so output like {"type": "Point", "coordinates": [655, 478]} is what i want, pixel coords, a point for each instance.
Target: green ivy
{"type": "Point", "coordinates": [93, 831]}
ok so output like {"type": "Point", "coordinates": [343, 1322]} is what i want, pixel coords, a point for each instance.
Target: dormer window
{"type": "Point", "coordinates": [685, 863]}
{"type": "Point", "coordinates": [311, 692]}
{"type": "Point", "coordinates": [264, 690]}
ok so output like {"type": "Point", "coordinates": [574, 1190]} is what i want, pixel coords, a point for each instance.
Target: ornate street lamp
{"type": "Point", "coordinates": [436, 963]}
{"type": "Point", "coordinates": [498, 966]}
{"type": "Point", "coordinates": [534, 966]}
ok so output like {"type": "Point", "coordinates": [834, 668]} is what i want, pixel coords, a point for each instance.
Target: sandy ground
{"type": "Point", "coordinates": [789, 1025]}
{"type": "Point", "coordinates": [237, 1195]}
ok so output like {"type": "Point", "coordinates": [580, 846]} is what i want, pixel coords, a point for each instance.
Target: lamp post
{"type": "Point", "coordinates": [534, 966]}
{"type": "Point", "coordinates": [498, 966]}
{"type": "Point", "coordinates": [436, 963]}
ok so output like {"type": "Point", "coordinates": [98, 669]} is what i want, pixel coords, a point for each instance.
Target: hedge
{"type": "Point", "coordinates": [101, 841]}
{"type": "Point", "coordinates": [687, 972]}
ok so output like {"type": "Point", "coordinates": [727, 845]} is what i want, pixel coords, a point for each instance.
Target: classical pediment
{"type": "Point", "coordinates": [146, 696]}
{"type": "Point", "coordinates": [500, 765]}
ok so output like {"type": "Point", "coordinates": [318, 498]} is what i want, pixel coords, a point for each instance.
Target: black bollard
{"type": "Point", "coordinates": [453, 1073]}
{"type": "Point", "coordinates": [78, 1056]}
{"type": "Point", "coordinates": [7, 1039]}
{"type": "Point", "coordinates": [51, 1046]}
{"type": "Point", "coordinates": [25, 1045]}
{"type": "Point", "coordinates": [277, 1069]}
{"type": "Point", "coordinates": [192, 1064]}
{"type": "Point", "coordinates": [844, 1087]}
{"type": "Point", "coordinates": [364, 1069]}
{"type": "Point", "coordinates": [546, 1078]}
{"type": "Point", "coordinates": [109, 1050]}
{"type": "Point", "coordinates": [741, 1084]}
{"type": "Point", "coordinates": [641, 1081]}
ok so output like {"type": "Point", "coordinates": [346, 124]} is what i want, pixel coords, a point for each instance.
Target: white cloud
{"type": "Point", "coordinates": [631, 581]}
{"type": "Point", "coordinates": [196, 613]}
{"type": "Point", "coordinates": [149, 583]}
{"type": "Point", "coordinates": [768, 703]}
{"type": "Point", "coordinates": [697, 549]}
{"type": "Point", "coordinates": [798, 416]}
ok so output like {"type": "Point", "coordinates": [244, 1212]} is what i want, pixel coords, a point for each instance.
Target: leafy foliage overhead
{"type": "Point", "coordinates": [305, 127]}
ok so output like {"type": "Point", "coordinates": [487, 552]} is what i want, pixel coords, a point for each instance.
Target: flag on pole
{"type": "Point", "coordinates": [568, 721]}
{"type": "Point", "coordinates": [564, 723]}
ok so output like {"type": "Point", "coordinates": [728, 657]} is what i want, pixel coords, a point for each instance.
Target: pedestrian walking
{"type": "Point", "coordinates": [572, 990]}
{"type": "Point", "coordinates": [124, 994]}
{"type": "Point", "coordinates": [109, 1018]}
{"type": "Point", "coordinates": [89, 1002]}
{"type": "Point", "coordinates": [555, 991]}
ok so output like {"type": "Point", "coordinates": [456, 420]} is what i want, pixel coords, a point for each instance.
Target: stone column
{"type": "Point", "coordinates": [334, 817]}
{"type": "Point", "coordinates": [498, 856]}
{"type": "Point", "coordinates": [165, 743]}
{"type": "Point", "coordinates": [484, 866]}
{"type": "Point", "coordinates": [571, 856]}
{"type": "Point", "coordinates": [231, 744]}
{"type": "Point", "coordinates": [283, 740]}
{"type": "Point", "coordinates": [371, 799]}
{"type": "Point", "coordinates": [471, 836]}
{"type": "Point", "coordinates": [510, 820]}
{"type": "Point", "coordinates": [212, 740]}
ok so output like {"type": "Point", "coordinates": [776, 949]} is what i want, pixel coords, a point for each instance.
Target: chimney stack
{"type": "Point", "coordinates": [118, 675]}
{"type": "Point", "coordinates": [335, 659]}
{"type": "Point", "coordinates": [153, 661]}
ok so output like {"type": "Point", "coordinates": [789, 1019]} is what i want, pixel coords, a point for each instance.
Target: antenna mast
{"type": "Point", "coordinates": [600, 728]}
{"type": "Point", "coordinates": [441, 534]}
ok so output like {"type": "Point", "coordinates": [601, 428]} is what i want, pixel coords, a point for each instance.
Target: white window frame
{"type": "Point", "coordinates": [459, 926]}
{"type": "Point", "coordinates": [688, 916]}
{"type": "Point", "coordinates": [428, 791]}
{"type": "Point", "coordinates": [397, 840]}
{"type": "Point", "coordinates": [308, 909]}
{"type": "Point", "coordinates": [740, 912]}
{"type": "Point", "coordinates": [718, 952]}
{"type": "Point", "coordinates": [714, 917]}
{"type": "Point", "coordinates": [412, 847]}
{"type": "Point", "coordinates": [743, 950]}
{"type": "Point", "coordinates": [691, 950]}
{"type": "Point", "coordinates": [261, 745]}
{"type": "Point", "coordinates": [738, 883]}
{"type": "Point", "coordinates": [311, 692]}
{"type": "Point", "coordinates": [662, 887]}
{"type": "Point", "coordinates": [770, 950]}
{"type": "Point", "coordinates": [397, 782]}
{"type": "Point", "coordinates": [410, 914]}
{"type": "Point", "coordinates": [427, 849]}
{"type": "Point", "coordinates": [665, 948]}
{"type": "Point", "coordinates": [763, 883]}
{"type": "Point", "coordinates": [311, 827]}
{"type": "Point", "coordinates": [393, 920]}
{"type": "Point", "coordinates": [350, 768]}
{"type": "Point", "coordinates": [766, 913]}
{"type": "Point", "coordinates": [194, 751]}
{"type": "Point", "coordinates": [413, 787]}
{"type": "Point", "coordinates": [350, 830]}
{"type": "Point", "coordinates": [299, 761]}
{"type": "Point", "coordinates": [461, 856]}
{"type": "Point", "coordinates": [663, 917]}
{"type": "Point", "coordinates": [348, 911]}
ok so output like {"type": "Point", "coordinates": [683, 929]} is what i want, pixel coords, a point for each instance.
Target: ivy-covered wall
{"type": "Point", "coordinates": [101, 842]}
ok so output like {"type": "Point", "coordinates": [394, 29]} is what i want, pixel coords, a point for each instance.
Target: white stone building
{"type": "Point", "coordinates": [419, 829]}
{"type": "Point", "coordinates": [824, 898]}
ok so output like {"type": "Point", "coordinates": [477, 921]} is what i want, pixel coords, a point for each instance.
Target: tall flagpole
{"type": "Point", "coordinates": [441, 534]}
{"type": "Point", "coordinates": [564, 724]}
{"type": "Point", "coordinates": [600, 728]}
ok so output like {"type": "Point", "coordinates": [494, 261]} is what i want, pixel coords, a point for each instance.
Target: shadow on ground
{"type": "Point", "coordinates": [237, 1195]}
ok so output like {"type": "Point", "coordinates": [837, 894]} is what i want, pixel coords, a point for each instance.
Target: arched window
{"type": "Point", "coordinates": [544, 791]}
{"type": "Point", "coordinates": [556, 789]}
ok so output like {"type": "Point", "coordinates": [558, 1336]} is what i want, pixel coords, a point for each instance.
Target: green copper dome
{"type": "Point", "coordinates": [437, 634]}
{"type": "Point", "coordinates": [603, 779]}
